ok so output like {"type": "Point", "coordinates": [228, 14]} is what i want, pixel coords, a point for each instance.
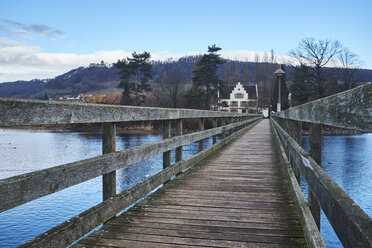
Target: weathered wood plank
{"type": "Point", "coordinates": [179, 241]}
{"type": "Point", "coordinates": [166, 135]}
{"type": "Point", "coordinates": [349, 109]}
{"type": "Point", "coordinates": [117, 232]}
{"type": "Point", "coordinates": [214, 210]}
{"type": "Point", "coordinates": [179, 130]}
{"type": "Point", "coordinates": [18, 190]}
{"type": "Point", "coordinates": [71, 230]}
{"type": "Point", "coordinates": [351, 224]}
{"type": "Point", "coordinates": [311, 231]}
{"type": "Point", "coordinates": [18, 112]}
{"type": "Point", "coordinates": [207, 229]}
{"type": "Point", "coordinates": [193, 212]}
{"type": "Point", "coordinates": [315, 151]}
{"type": "Point", "coordinates": [108, 146]}
{"type": "Point", "coordinates": [201, 128]}
{"type": "Point", "coordinates": [263, 219]}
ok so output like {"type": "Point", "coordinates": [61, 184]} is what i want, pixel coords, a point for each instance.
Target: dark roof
{"type": "Point", "coordinates": [251, 90]}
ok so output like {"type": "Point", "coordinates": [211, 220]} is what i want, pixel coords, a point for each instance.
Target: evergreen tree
{"type": "Point", "coordinates": [134, 74]}
{"type": "Point", "coordinates": [205, 80]}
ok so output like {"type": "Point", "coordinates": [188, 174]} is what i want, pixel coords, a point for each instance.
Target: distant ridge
{"type": "Point", "coordinates": [98, 78]}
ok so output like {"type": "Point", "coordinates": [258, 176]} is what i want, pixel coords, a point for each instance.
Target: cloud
{"type": "Point", "coordinates": [22, 61]}
{"type": "Point", "coordinates": [20, 30]}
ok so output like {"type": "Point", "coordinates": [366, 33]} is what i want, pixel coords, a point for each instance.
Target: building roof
{"type": "Point", "coordinates": [251, 90]}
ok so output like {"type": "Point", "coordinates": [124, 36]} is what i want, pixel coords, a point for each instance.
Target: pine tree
{"type": "Point", "coordinates": [205, 80]}
{"type": "Point", "coordinates": [134, 74]}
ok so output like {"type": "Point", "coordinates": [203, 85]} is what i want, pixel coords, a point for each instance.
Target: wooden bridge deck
{"type": "Point", "coordinates": [237, 198]}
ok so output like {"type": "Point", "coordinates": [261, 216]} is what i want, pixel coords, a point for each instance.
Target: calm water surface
{"type": "Point", "coordinates": [27, 151]}
{"type": "Point", "coordinates": [347, 159]}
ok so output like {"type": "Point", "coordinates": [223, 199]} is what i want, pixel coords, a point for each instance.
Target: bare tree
{"type": "Point", "coordinates": [272, 57]}
{"type": "Point", "coordinates": [256, 69]}
{"type": "Point", "coordinates": [171, 90]}
{"type": "Point", "coordinates": [349, 63]}
{"type": "Point", "coordinates": [246, 73]}
{"type": "Point", "coordinates": [228, 72]}
{"type": "Point", "coordinates": [237, 76]}
{"type": "Point", "coordinates": [317, 54]}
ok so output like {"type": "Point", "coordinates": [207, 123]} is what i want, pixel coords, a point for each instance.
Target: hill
{"type": "Point", "coordinates": [95, 78]}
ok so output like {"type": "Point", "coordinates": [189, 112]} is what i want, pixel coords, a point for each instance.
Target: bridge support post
{"type": "Point", "coordinates": [293, 128]}
{"type": "Point", "coordinates": [201, 128]}
{"type": "Point", "coordinates": [223, 123]}
{"type": "Point", "coordinates": [315, 151]}
{"type": "Point", "coordinates": [179, 133]}
{"type": "Point", "coordinates": [214, 126]}
{"type": "Point", "coordinates": [108, 146]}
{"type": "Point", "coordinates": [231, 120]}
{"type": "Point", "coordinates": [166, 135]}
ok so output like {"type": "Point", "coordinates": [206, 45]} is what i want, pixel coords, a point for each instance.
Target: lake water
{"type": "Point", "coordinates": [347, 159]}
{"type": "Point", "coordinates": [27, 151]}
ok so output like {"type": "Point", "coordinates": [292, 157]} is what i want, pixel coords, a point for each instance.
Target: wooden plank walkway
{"type": "Point", "coordinates": [237, 198]}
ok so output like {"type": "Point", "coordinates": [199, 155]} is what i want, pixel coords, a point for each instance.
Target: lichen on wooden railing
{"type": "Point", "coordinates": [351, 109]}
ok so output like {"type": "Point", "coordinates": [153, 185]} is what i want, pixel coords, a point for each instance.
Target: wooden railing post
{"type": "Point", "coordinates": [201, 128]}
{"type": "Point", "coordinates": [315, 151]}
{"type": "Point", "coordinates": [223, 123]}
{"type": "Point", "coordinates": [294, 128]}
{"type": "Point", "coordinates": [179, 133]}
{"type": "Point", "coordinates": [214, 126]}
{"type": "Point", "coordinates": [108, 146]}
{"type": "Point", "coordinates": [166, 135]}
{"type": "Point", "coordinates": [231, 120]}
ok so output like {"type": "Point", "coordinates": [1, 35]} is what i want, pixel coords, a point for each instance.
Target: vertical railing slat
{"type": "Point", "coordinates": [201, 128]}
{"type": "Point", "coordinates": [179, 133]}
{"type": "Point", "coordinates": [214, 126]}
{"type": "Point", "coordinates": [315, 151]}
{"type": "Point", "coordinates": [108, 146]}
{"type": "Point", "coordinates": [166, 135]}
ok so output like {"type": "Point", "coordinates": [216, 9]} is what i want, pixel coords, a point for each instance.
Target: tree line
{"type": "Point", "coordinates": [317, 68]}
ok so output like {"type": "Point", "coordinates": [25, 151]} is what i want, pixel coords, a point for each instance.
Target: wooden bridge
{"type": "Point", "coordinates": [243, 195]}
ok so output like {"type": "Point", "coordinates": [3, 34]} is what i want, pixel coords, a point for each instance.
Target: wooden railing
{"type": "Point", "coordinates": [351, 109]}
{"type": "Point", "coordinates": [24, 188]}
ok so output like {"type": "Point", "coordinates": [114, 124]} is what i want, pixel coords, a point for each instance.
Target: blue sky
{"type": "Point", "coordinates": [41, 39]}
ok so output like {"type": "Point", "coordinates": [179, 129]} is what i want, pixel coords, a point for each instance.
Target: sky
{"type": "Point", "coordinates": [42, 38]}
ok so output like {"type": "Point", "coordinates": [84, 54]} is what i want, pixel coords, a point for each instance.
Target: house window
{"type": "Point", "coordinates": [239, 95]}
{"type": "Point", "coordinates": [242, 104]}
{"type": "Point", "coordinates": [234, 104]}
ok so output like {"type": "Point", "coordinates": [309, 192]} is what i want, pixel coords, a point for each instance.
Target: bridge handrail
{"type": "Point", "coordinates": [25, 112]}
{"type": "Point", "coordinates": [24, 188]}
{"type": "Point", "coordinates": [17, 190]}
{"type": "Point", "coordinates": [71, 230]}
{"type": "Point", "coordinates": [350, 109]}
{"type": "Point", "coordinates": [351, 224]}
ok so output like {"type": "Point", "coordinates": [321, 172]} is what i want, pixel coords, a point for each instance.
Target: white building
{"type": "Point", "coordinates": [102, 64]}
{"type": "Point", "coordinates": [243, 99]}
